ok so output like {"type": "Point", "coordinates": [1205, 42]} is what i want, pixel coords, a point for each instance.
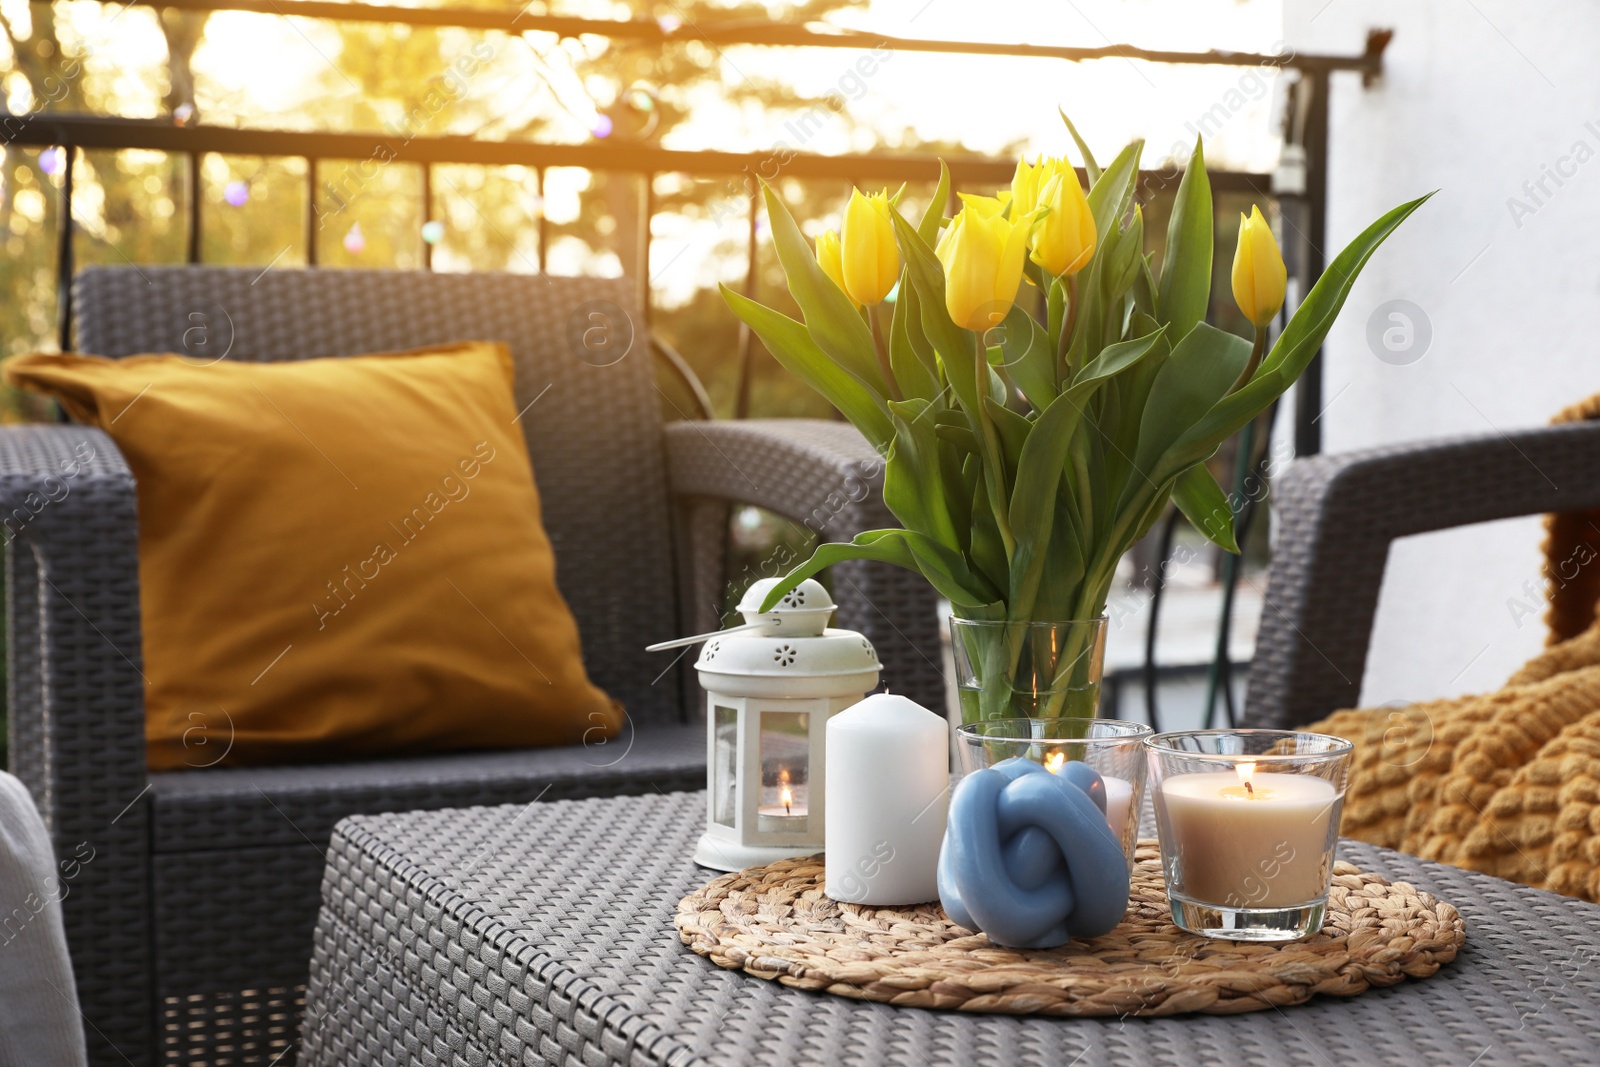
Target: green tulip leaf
{"type": "Point", "coordinates": [1061, 579]}
{"type": "Point", "coordinates": [1194, 378]}
{"type": "Point", "coordinates": [1012, 429]}
{"type": "Point", "coordinates": [1145, 289]}
{"type": "Point", "coordinates": [1090, 167]}
{"type": "Point", "coordinates": [986, 549]}
{"type": "Point", "coordinates": [957, 494]}
{"type": "Point", "coordinates": [910, 356]}
{"type": "Point", "coordinates": [913, 486]}
{"type": "Point", "coordinates": [1206, 506]}
{"type": "Point", "coordinates": [1113, 360]}
{"type": "Point", "coordinates": [1028, 357]}
{"type": "Point", "coordinates": [1185, 289]}
{"type": "Point", "coordinates": [945, 570]}
{"type": "Point", "coordinates": [1122, 270]}
{"type": "Point", "coordinates": [1033, 500]}
{"type": "Point", "coordinates": [933, 217]}
{"type": "Point", "coordinates": [1110, 196]}
{"type": "Point", "coordinates": [961, 437]}
{"type": "Point", "coordinates": [792, 346]}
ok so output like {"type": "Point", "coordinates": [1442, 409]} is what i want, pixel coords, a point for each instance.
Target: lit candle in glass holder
{"type": "Point", "coordinates": [1119, 794]}
{"type": "Point", "coordinates": [1248, 820]}
{"type": "Point", "coordinates": [785, 804]}
{"type": "Point", "coordinates": [1111, 748]}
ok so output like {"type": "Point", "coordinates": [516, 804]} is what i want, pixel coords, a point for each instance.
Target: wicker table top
{"type": "Point", "coordinates": [544, 934]}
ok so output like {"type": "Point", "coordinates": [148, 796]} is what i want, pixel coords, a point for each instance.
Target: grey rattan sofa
{"type": "Point", "coordinates": [191, 925]}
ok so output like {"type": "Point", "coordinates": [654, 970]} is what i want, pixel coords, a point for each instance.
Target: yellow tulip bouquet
{"type": "Point", "coordinates": [1023, 455]}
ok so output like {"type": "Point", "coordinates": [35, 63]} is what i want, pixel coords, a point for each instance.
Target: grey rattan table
{"type": "Point", "coordinates": [544, 934]}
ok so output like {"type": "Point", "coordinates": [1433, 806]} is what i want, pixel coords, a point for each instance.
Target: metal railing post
{"type": "Point", "coordinates": [427, 215]}
{"type": "Point", "coordinates": [647, 207]}
{"type": "Point", "coordinates": [747, 337]}
{"type": "Point", "coordinates": [64, 257]}
{"type": "Point", "coordinates": [194, 207]}
{"type": "Point", "coordinates": [543, 220]}
{"type": "Point", "coordinates": [311, 211]}
{"type": "Point", "coordinates": [1308, 391]}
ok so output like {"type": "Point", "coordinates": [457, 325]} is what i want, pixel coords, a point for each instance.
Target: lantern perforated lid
{"type": "Point", "coordinates": [791, 645]}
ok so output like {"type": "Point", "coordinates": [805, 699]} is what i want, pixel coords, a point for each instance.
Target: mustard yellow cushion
{"type": "Point", "coordinates": [337, 557]}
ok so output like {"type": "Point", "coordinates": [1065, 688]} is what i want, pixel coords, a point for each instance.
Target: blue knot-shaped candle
{"type": "Point", "coordinates": [1028, 857]}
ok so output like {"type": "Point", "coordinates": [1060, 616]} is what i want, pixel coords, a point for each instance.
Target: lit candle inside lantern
{"type": "Point", "coordinates": [789, 813]}
{"type": "Point", "coordinates": [1119, 793]}
{"type": "Point", "coordinates": [1249, 840]}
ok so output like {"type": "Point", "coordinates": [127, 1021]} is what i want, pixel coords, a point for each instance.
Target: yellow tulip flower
{"type": "Point", "coordinates": [1025, 185]}
{"type": "Point", "coordinates": [1259, 276]}
{"type": "Point", "coordinates": [1064, 240]}
{"type": "Point", "coordinates": [869, 258]}
{"type": "Point", "coordinates": [828, 258]}
{"type": "Point", "coordinates": [985, 205]}
{"type": "Point", "coordinates": [982, 259]}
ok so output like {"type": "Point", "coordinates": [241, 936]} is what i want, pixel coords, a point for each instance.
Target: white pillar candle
{"type": "Point", "coordinates": [888, 793]}
{"type": "Point", "coordinates": [1119, 796]}
{"type": "Point", "coordinates": [1246, 839]}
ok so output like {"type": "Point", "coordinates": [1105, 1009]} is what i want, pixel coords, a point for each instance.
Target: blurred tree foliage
{"type": "Point", "coordinates": [131, 207]}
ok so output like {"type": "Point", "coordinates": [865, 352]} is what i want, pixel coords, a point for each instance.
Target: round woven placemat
{"type": "Point", "coordinates": [775, 922]}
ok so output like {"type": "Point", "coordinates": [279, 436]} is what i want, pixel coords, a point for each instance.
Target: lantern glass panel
{"type": "Point", "coordinates": [785, 771]}
{"type": "Point", "coordinates": [725, 765]}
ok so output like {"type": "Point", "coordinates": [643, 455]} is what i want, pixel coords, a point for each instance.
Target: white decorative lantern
{"type": "Point", "coordinates": [771, 687]}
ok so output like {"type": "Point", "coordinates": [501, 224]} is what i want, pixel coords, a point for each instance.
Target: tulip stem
{"type": "Point", "coordinates": [999, 492]}
{"type": "Point", "coordinates": [883, 354]}
{"type": "Point", "coordinates": [1064, 345]}
{"type": "Point", "coordinates": [1257, 352]}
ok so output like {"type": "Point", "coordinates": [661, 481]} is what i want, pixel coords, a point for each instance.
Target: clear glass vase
{"type": "Point", "coordinates": [1028, 670]}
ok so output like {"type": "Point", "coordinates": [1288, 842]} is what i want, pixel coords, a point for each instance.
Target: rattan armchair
{"type": "Point", "coordinates": [1337, 516]}
{"type": "Point", "coordinates": [191, 924]}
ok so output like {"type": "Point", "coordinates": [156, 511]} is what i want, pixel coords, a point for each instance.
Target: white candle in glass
{"type": "Point", "coordinates": [888, 794]}
{"type": "Point", "coordinates": [1119, 797]}
{"type": "Point", "coordinates": [1250, 840]}
{"type": "Point", "coordinates": [1119, 794]}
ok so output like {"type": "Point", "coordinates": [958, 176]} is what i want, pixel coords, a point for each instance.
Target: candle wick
{"type": "Point", "coordinates": [786, 810]}
{"type": "Point", "coordinates": [1250, 789]}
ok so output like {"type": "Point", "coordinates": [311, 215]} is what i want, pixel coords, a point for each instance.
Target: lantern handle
{"type": "Point", "coordinates": [680, 642]}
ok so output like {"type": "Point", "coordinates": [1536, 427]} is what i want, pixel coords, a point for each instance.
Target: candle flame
{"type": "Point", "coordinates": [786, 798]}
{"type": "Point", "coordinates": [1053, 762]}
{"type": "Point", "coordinates": [1246, 771]}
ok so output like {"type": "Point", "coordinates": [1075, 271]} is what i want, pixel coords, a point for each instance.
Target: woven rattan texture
{"type": "Point", "coordinates": [250, 807]}
{"type": "Point", "coordinates": [546, 935]}
{"type": "Point", "coordinates": [1338, 514]}
{"type": "Point", "coordinates": [776, 922]}
{"type": "Point", "coordinates": [76, 704]}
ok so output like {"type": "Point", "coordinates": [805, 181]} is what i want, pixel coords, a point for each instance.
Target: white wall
{"type": "Point", "coordinates": [1478, 97]}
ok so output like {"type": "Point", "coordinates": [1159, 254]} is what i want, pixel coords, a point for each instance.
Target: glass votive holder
{"type": "Point", "coordinates": [1248, 821]}
{"type": "Point", "coordinates": [1112, 747]}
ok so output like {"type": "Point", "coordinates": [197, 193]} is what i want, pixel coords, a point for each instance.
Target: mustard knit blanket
{"type": "Point", "coordinates": [1507, 783]}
